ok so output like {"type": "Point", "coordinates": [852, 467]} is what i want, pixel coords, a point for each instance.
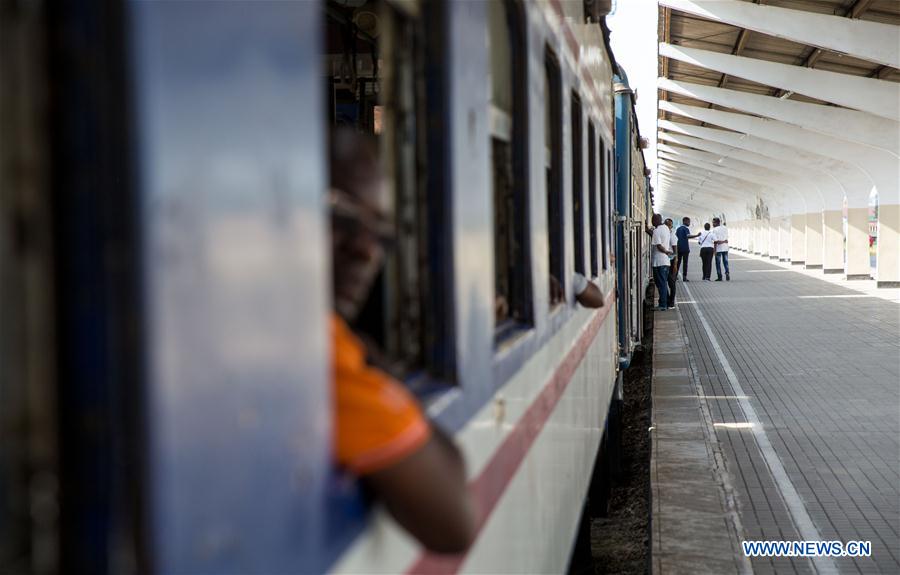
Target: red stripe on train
{"type": "Point", "coordinates": [489, 486]}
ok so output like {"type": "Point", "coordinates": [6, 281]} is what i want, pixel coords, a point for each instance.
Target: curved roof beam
{"type": "Point", "coordinates": [699, 183]}
{"type": "Point", "coordinates": [812, 183]}
{"type": "Point", "coordinates": [733, 208]}
{"type": "Point", "coordinates": [698, 175]}
{"type": "Point", "coordinates": [860, 127]}
{"type": "Point", "coordinates": [706, 161]}
{"type": "Point", "coordinates": [837, 178]}
{"type": "Point", "coordinates": [848, 176]}
{"type": "Point", "coordinates": [694, 209]}
{"type": "Point", "coordinates": [733, 163]}
{"type": "Point", "coordinates": [871, 41]}
{"type": "Point", "coordinates": [879, 167]}
{"type": "Point", "coordinates": [688, 192]}
{"type": "Point", "coordinates": [703, 175]}
{"type": "Point", "coordinates": [867, 94]}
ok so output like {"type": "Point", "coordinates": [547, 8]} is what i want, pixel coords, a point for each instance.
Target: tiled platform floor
{"type": "Point", "coordinates": [820, 366]}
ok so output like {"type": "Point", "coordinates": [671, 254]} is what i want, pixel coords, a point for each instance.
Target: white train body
{"type": "Point", "coordinates": [531, 447]}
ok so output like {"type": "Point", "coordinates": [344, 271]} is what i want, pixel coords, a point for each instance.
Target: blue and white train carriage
{"type": "Point", "coordinates": [192, 396]}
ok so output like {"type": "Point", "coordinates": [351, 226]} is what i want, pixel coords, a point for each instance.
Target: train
{"type": "Point", "coordinates": [166, 275]}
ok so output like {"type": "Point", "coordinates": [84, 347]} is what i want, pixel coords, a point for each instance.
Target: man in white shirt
{"type": "Point", "coordinates": [720, 239]}
{"type": "Point", "coordinates": [660, 248]}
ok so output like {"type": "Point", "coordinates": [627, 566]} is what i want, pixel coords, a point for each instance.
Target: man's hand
{"type": "Point", "coordinates": [556, 291]}
{"type": "Point", "coordinates": [591, 297]}
{"type": "Point", "coordinates": [501, 308]}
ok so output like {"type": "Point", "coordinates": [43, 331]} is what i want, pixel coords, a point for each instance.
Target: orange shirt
{"type": "Point", "coordinates": [377, 421]}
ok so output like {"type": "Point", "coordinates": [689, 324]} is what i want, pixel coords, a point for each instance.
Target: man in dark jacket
{"type": "Point", "coordinates": [683, 233]}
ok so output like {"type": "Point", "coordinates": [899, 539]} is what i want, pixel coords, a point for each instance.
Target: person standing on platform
{"type": "Point", "coordinates": [707, 251]}
{"type": "Point", "coordinates": [673, 262]}
{"type": "Point", "coordinates": [659, 259]}
{"type": "Point", "coordinates": [720, 238]}
{"type": "Point", "coordinates": [683, 233]}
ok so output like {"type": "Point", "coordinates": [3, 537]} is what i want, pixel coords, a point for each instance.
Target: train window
{"type": "Point", "coordinates": [593, 192]}
{"type": "Point", "coordinates": [577, 190]}
{"type": "Point", "coordinates": [376, 61]}
{"type": "Point", "coordinates": [606, 178]}
{"type": "Point", "coordinates": [509, 173]}
{"type": "Point", "coordinates": [553, 163]}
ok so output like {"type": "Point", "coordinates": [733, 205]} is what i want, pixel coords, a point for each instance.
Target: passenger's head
{"type": "Point", "coordinates": [656, 220]}
{"type": "Point", "coordinates": [686, 221]}
{"type": "Point", "coordinates": [669, 222]}
{"type": "Point", "coordinates": [706, 226]}
{"type": "Point", "coordinates": [360, 219]}
{"type": "Point", "coordinates": [716, 221]}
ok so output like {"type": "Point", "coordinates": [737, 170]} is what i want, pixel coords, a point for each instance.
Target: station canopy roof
{"type": "Point", "coordinates": [683, 29]}
{"type": "Point", "coordinates": [789, 61]}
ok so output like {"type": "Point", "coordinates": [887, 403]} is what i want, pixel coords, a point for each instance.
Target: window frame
{"type": "Point", "coordinates": [604, 204]}
{"type": "Point", "coordinates": [516, 131]}
{"type": "Point", "coordinates": [554, 174]}
{"type": "Point", "coordinates": [576, 114]}
{"type": "Point", "coordinates": [593, 192]}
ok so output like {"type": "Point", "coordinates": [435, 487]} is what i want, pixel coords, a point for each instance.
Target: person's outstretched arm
{"type": "Point", "coordinates": [591, 297]}
{"type": "Point", "coordinates": [426, 494]}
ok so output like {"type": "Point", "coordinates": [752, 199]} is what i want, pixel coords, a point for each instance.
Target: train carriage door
{"type": "Point", "coordinates": [229, 124]}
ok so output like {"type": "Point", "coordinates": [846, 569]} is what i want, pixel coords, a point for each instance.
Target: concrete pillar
{"type": "Point", "coordinates": [774, 238]}
{"type": "Point", "coordinates": [762, 241]}
{"type": "Point", "coordinates": [887, 272]}
{"type": "Point", "coordinates": [757, 233]}
{"type": "Point", "coordinates": [784, 231]}
{"type": "Point", "coordinates": [857, 265]}
{"type": "Point", "coordinates": [833, 241]}
{"type": "Point", "coordinates": [798, 239]}
{"type": "Point", "coordinates": [814, 240]}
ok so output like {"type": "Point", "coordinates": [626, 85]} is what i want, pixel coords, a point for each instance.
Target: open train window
{"type": "Point", "coordinates": [377, 59]}
{"type": "Point", "coordinates": [593, 192]}
{"type": "Point", "coordinates": [512, 270]}
{"type": "Point", "coordinates": [577, 190]}
{"type": "Point", "coordinates": [553, 163]}
{"type": "Point", "coordinates": [606, 178]}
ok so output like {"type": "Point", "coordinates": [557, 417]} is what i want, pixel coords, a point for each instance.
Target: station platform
{"type": "Point", "coordinates": [776, 416]}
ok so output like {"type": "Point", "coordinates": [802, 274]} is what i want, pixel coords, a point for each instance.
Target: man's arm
{"type": "Point", "coordinates": [426, 494]}
{"type": "Point", "coordinates": [591, 296]}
